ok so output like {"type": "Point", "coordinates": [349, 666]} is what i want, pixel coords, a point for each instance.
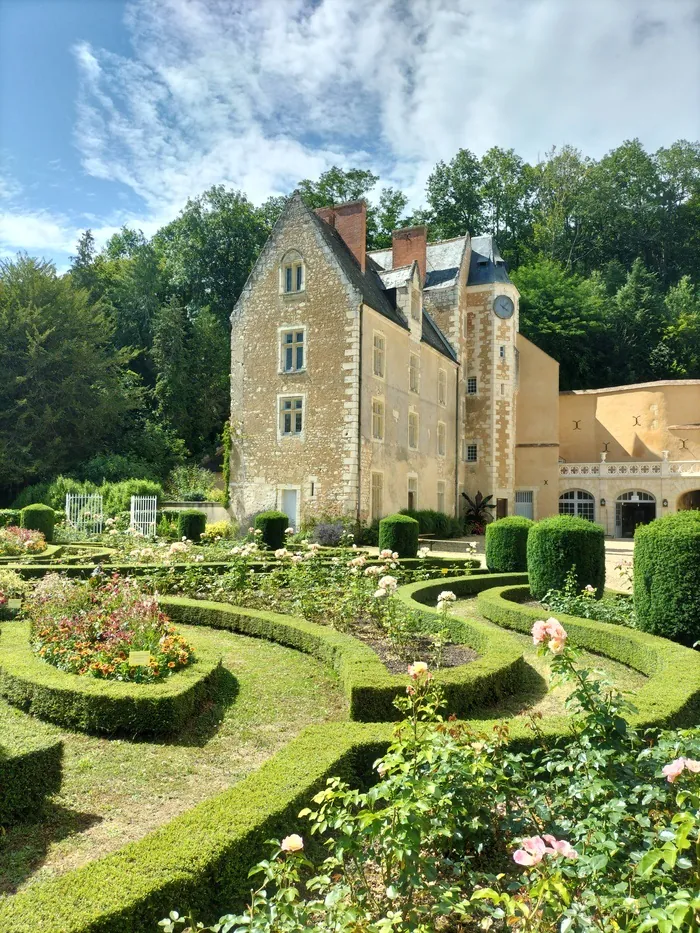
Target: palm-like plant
{"type": "Point", "coordinates": [479, 509]}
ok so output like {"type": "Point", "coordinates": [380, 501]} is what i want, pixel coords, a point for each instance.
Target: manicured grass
{"type": "Point", "coordinates": [115, 791]}
{"type": "Point", "coordinates": [535, 695]}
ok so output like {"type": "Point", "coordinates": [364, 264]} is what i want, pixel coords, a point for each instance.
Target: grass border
{"type": "Point", "coordinates": [104, 707]}
{"type": "Point", "coordinates": [671, 696]}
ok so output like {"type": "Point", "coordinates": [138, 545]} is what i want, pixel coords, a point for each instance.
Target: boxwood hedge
{"type": "Point", "coordinates": [272, 526]}
{"type": "Point", "coordinates": [506, 544]}
{"type": "Point", "coordinates": [555, 545]}
{"type": "Point", "coordinates": [30, 770]}
{"type": "Point", "coordinates": [39, 517]}
{"type": "Point", "coordinates": [191, 523]}
{"type": "Point", "coordinates": [671, 696]}
{"type": "Point", "coordinates": [667, 576]}
{"type": "Point", "coordinates": [399, 533]}
{"type": "Point", "coordinates": [106, 706]}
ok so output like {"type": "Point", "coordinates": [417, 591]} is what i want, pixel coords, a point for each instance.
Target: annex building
{"type": "Point", "coordinates": [367, 382]}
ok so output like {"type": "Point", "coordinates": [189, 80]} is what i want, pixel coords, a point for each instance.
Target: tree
{"type": "Point", "coordinates": [562, 313]}
{"type": "Point", "coordinates": [507, 194]}
{"type": "Point", "coordinates": [560, 224]}
{"type": "Point", "coordinates": [65, 388]}
{"type": "Point", "coordinates": [386, 217]}
{"type": "Point", "coordinates": [682, 335]}
{"type": "Point", "coordinates": [335, 186]}
{"type": "Point", "coordinates": [454, 195]}
{"type": "Point", "coordinates": [82, 267]}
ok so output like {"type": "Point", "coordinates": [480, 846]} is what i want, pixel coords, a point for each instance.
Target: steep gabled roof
{"type": "Point", "coordinates": [435, 338]}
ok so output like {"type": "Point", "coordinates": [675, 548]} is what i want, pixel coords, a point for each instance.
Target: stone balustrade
{"type": "Point", "coordinates": [632, 468]}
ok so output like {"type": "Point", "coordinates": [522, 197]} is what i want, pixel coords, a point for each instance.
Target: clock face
{"type": "Point", "coordinates": [503, 307]}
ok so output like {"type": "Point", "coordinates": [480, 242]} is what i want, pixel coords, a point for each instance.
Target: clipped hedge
{"type": "Point", "coordinates": [667, 577]}
{"type": "Point", "coordinates": [273, 525]}
{"type": "Point", "coordinates": [191, 524]}
{"type": "Point", "coordinates": [432, 522]}
{"type": "Point", "coordinates": [30, 770]}
{"type": "Point", "coordinates": [9, 517]}
{"type": "Point", "coordinates": [671, 696]}
{"type": "Point", "coordinates": [368, 685]}
{"type": "Point", "coordinates": [399, 533]}
{"type": "Point", "coordinates": [107, 707]}
{"type": "Point", "coordinates": [506, 544]}
{"type": "Point", "coordinates": [39, 517]}
{"type": "Point", "coordinates": [555, 545]}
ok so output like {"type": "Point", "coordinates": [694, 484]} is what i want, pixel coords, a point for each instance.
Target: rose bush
{"type": "Point", "coordinates": [16, 541]}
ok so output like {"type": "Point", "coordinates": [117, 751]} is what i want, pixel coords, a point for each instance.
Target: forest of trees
{"type": "Point", "coordinates": [126, 356]}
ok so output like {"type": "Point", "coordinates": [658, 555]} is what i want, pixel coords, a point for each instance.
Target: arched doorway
{"type": "Point", "coordinates": [632, 509]}
{"type": "Point", "coordinates": [689, 500]}
{"type": "Point", "coordinates": [577, 502]}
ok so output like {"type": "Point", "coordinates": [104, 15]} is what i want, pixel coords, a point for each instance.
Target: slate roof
{"type": "Point", "coordinates": [396, 278]}
{"type": "Point", "coordinates": [487, 265]}
{"type": "Point", "coordinates": [443, 261]}
{"type": "Point", "coordinates": [435, 338]}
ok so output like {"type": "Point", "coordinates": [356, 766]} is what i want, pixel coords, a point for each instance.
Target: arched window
{"type": "Point", "coordinates": [577, 502]}
{"type": "Point", "coordinates": [292, 273]}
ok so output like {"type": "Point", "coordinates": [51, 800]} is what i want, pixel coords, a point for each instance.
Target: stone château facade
{"type": "Point", "coordinates": [366, 382]}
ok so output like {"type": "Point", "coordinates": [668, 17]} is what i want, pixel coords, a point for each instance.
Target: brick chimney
{"type": "Point", "coordinates": [350, 220]}
{"type": "Point", "coordinates": [408, 244]}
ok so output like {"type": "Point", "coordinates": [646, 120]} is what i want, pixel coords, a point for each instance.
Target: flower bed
{"type": "Point", "coordinates": [15, 541]}
{"type": "Point", "coordinates": [91, 628]}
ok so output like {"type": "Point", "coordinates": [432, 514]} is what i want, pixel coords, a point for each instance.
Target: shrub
{"type": "Point", "coordinates": [113, 468]}
{"type": "Point", "coordinates": [329, 534]}
{"type": "Point", "coordinates": [16, 541]}
{"type": "Point", "coordinates": [39, 517]}
{"type": "Point", "coordinates": [506, 544]}
{"type": "Point", "coordinates": [216, 530]}
{"type": "Point", "coordinates": [273, 525]}
{"type": "Point", "coordinates": [38, 492]}
{"type": "Point", "coordinates": [190, 484]}
{"type": "Point", "coordinates": [9, 517]}
{"type": "Point", "coordinates": [399, 533]}
{"type": "Point", "coordinates": [117, 496]}
{"type": "Point", "coordinates": [555, 545]}
{"type": "Point", "coordinates": [432, 522]}
{"type": "Point", "coordinates": [191, 524]}
{"type": "Point", "coordinates": [667, 576]}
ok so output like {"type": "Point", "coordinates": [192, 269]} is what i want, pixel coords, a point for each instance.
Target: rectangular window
{"type": "Point", "coordinates": [441, 496]}
{"type": "Point", "coordinates": [413, 430]}
{"type": "Point", "coordinates": [300, 274]}
{"type": "Point", "coordinates": [377, 496]}
{"type": "Point", "coordinates": [412, 492]}
{"type": "Point", "coordinates": [292, 351]}
{"type": "Point", "coordinates": [379, 356]}
{"type": "Point", "coordinates": [441, 438]}
{"type": "Point", "coordinates": [469, 452]}
{"type": "Point", "coordinates": [442, 387]}
{"type": "Point", "coordinates": [293, 276]}
{"type": "Point", "coordinates": [502, 352]}
{"type": "Point", "coordinates": [524, 503]}
{"type": "Point", "coordinates": [377, 419]}
{"type": "Point", "coordinates": [291, 416]}
{"type": "Point", "coordinates": [413, 364]}
{"type": "Point", "coordinates": [471, 385]}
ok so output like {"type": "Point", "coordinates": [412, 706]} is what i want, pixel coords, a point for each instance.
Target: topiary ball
{"type": "Point", "coordinates": [667, 576]}
{"type": "Point", "coordinates": [39, 517]}
{"type": "Point", "coordinates": [555, 545]}
{"type": "Point", "coordinates": [273, 525]}
{"type": "Point", "coordinates": [506, 544]}
{"type": "Point", "coordinates": [399, 533]}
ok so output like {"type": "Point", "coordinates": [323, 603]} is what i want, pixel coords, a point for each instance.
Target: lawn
{"type": "Point", "coordinates": [535, 696]}
{"type": "Point", "coordinates": [115, 791]}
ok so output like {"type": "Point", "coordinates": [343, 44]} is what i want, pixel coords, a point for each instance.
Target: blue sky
{"type": "Point", "coordinates": [117, 111]}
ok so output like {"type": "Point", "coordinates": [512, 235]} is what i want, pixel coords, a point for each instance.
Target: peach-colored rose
{"type": "Point", "coordinates": [417, 669]}
{"type": "Point", "coordinates": [293, 843]}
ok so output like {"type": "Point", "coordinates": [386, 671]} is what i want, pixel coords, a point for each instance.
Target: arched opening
{"type": "Point", "coordinates": [632, 509]}
{"type": "Point", "coordinates": [577, 502]}
{"type": "Point", "coordinates": [689, 500]}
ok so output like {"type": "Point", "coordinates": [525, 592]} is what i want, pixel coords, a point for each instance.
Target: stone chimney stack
{"type": "Point", "coordinates": [350, 220]}
{"type": "Point", "coordinates": [409, 244]}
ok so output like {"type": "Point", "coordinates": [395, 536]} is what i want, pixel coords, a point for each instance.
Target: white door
{"type": "Point", "coordinates": [289, 506]}
{"type": "Point", "coordinates": [524, 504]}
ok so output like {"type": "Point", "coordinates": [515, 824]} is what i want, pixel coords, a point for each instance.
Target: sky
{"type": "Point", "coordinates": [116, 112]}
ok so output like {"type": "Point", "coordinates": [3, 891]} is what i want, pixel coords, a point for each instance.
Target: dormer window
{"type": "Point", "coordinates": [293, 276]}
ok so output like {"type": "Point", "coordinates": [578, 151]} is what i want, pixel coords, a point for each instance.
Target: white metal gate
{"type": "Point", "coordinates": [84, 512]}
{"type": "Point", "coordinates": [143, 514]}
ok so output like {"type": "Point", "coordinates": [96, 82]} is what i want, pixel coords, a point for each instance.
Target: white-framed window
{"type": "Point", "coordinates": [502, 352]}
{"type": "Point", "coordinates": [292, 349]}
{"type": "Point", "coordinates": [292, 274]}
{"type": "Point", "coordinates": [379, 355]}
{"type": "Point", "coordinates": [442, 387]}
{"type": "Point", "coordinates": [376, 505]}
{"type": "Point", "coordinates": [412, 497]}
{"type": "Point", "coordinates": [413, 430]}
{"type": "Point", "coordinates": [291, 415]}
{"type": "Point", "coordinates": [413, 372]}
{"type": "Point", "coordinates": [471, 385]}
{"type": "Point", "coordinates": [441, 495]}
{"type": "Point", "coordinates": [577, 502]}
{"type": "Point", "coordinates": [525, 503]}
{"type": "Point", "coordinates": [470, 451]}
{"type": "Point", "coordinates": [377, 419]}
{"type": "Point", "coordinates": [441, 438]}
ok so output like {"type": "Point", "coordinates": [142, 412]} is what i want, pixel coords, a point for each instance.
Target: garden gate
{"type": "Point", "coordinates": [143, 514]}
{"type": "Point", "coordinates": [84, 512]}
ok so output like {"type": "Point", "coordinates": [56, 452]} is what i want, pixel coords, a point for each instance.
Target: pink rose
{"type": "Point", "coordinates": [676, 768]}
{"type": "Point", "coordinates": [531, 852]}
{"type": "Point", "coordinates": [561, 847]}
